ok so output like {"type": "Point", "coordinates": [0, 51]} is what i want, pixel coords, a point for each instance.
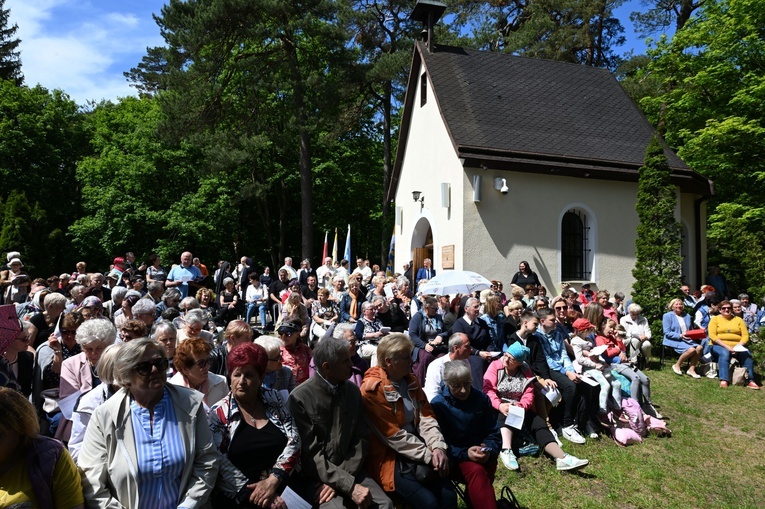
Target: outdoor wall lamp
{"type": "Point", "coordinates": [417, 195]}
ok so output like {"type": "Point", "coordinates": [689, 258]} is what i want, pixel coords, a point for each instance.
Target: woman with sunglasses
{"type": "Point", "coordinates": [192, 360]}
{"type": "Point", "coordinates": [255, 433]}
{"type": "Point", "coordinates": [296, 355]}
{"type": "Point", "coordinates": [150, 444]}
{"type": "Point", "coordinates": [729, 337]}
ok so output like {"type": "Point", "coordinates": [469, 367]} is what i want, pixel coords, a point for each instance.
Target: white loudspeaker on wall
{"type": "Point", "coordinates": [446, 195]}
{"type": "Point", "coordinates": [476, 188]}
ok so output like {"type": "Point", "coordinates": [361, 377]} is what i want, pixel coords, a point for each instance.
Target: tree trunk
{"type": "Point", "coordinates": [306, 177]}
{"type": "Point", "coordinates": [686, 9]}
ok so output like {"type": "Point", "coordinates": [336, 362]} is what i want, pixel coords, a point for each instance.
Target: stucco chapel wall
{"type": "Point", "coordinates": [430, 160]}
{"type": "Point", "coordinates": [501, 231]}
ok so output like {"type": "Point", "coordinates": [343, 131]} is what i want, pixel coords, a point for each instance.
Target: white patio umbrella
{"type": "Point", "coordinates": [455, 281]}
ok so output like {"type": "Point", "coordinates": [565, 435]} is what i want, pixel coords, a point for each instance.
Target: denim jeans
{"type": "Point", "coordinates": [723, 362]}
{"type": "Point", "coordinates": [262, 308]}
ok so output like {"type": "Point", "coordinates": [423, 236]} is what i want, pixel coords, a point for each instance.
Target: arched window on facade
{"type": "Point", "coordinates": [576, 252]}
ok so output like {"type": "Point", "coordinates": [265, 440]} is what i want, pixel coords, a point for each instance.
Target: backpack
{"type": "Point", "coordinates": [617, 425]}
{"type": "Point", "coordinates": [657, 427]}
{"type": "Point", "coordinates": [632, 410]}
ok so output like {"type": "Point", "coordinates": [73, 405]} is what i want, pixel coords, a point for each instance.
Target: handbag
{"type": "Point", "coordinates": [740, 376]}
{"type": "Point", "coordinates": [50, 401]}
{"type": "Point", "coordinates": [507, 499]}
{"type": "Point", "coordinates": [420, 471]}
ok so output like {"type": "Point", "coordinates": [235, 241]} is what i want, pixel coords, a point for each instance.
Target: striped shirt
{"type": "Point", "coordinates": [161, 455]}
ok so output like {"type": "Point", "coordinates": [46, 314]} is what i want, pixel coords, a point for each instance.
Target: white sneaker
{"type": "Point", "coordinates": [569, 462]}
{"type": "Point", "coordinates": [555, 436]}
{"type": "Point", "coordinates": [508, 459]}
{"type": "Point", "coordinates": [572, 434]}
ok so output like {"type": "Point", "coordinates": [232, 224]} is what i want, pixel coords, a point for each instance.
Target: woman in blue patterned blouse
{"type": "Point", "coordinates": [149, 446]}
{"type": "Point", "coordinates": [256, 434]}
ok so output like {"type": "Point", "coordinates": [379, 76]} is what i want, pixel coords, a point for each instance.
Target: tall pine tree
{"type": "Point", "coordinates": [658, 262]}
{"type": "Point", "coordinates": [10, 61]}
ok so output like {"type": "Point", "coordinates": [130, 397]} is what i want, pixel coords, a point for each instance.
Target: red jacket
{"type": "Point", "coordinates": [615, 345]}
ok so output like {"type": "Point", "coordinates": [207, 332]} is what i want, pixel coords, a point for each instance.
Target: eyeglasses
{"type": "Point", "coordinates": [145, 368]}
{"type": "Point", "coordinates": [67, 332]}
{"type": "Point", "coordinates": [561, 307]}
{"type": "Point", "coordinates": [202, 363]}
{"type": "Point", "coordinates": [726, 308]}
{"type": "Point", "coordinates": [463, 386]}
{"type": "Point", "coordinates": [287, 332]}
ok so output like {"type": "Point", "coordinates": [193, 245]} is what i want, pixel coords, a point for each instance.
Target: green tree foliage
{"type": "Point", "coordinates": [711, 109]}
{"type": "Point", "coordinates": [25, 229]}
{"type": "Point", "coordinates": [42, 135]}
{"type": "Point", "coordinates": [658, 264]}
{"type": "Point", "coordinates": [130, 185]}
{"type": "Point", "coordinates": [266, 82]}
{"type": "Point", "coordinates": [41, 138]}
{"type": "Point", "coordinates": [10, 59]}
{"type": "Point", "coordinates": [579, 31]}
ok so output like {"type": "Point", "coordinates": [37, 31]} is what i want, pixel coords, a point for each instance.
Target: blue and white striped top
{"type": "Point", "coordinates": [161, 455]}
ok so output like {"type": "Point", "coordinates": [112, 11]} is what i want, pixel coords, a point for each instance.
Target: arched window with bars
{"type": "Point", "coordinates": [575, 242]}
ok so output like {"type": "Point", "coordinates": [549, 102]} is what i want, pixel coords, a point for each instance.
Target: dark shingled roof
{"type": "Point", "coordinates": [526, 105]}
{"type": "Point", "coordinates": [524, 114]}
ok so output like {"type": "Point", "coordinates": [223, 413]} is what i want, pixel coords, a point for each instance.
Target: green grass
{"type": "Point", "coordinates": [715, 457]}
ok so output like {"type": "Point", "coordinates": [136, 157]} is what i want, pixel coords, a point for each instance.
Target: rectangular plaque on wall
{"type": "Point", "coordinates": [447, 257]}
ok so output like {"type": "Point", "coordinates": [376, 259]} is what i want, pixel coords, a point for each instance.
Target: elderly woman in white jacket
{"type": "Point", "coordinates": [638, 334]}
{"type": "Point", "coordinates": [150, 441]}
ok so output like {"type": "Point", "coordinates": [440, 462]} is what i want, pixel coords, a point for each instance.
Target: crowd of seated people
{"type": "Point", "coordinates": [365, 396]}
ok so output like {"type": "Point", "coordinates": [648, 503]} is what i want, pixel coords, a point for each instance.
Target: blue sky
{"type": "Point", "coordinates": [84, 46]}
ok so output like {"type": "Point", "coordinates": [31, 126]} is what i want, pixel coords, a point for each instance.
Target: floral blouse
{"type": "Point", "coordinates": [224, 419]}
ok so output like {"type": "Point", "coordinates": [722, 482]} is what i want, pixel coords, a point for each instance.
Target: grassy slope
{"type": "Point", "coordinates": [715, 457]}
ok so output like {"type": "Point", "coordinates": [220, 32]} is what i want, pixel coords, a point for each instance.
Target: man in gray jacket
{"type": "Point", "coordinates": [329, 415]}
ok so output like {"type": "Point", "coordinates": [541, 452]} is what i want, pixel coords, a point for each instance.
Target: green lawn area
{"type": "Point", "coordinates": [715, 457]}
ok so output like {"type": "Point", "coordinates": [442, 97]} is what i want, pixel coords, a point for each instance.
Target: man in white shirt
{"type": "Point", "coordinates": [291, 272]}
{"type": "Point", "coordinates": [459, 350]}
{"type": "Point", "coordinates": [325, 273]}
